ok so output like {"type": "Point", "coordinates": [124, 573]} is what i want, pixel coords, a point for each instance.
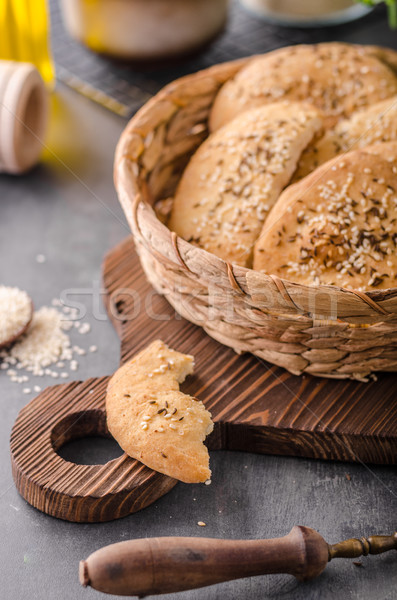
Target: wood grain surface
{"type": "Point", "coordinates": [162, 565]}
{"type": "Point", "coordinates": [256, 407]}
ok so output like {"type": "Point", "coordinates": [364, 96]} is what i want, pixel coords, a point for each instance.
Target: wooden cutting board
{"type": "Point", "coordinates": [256, 407]}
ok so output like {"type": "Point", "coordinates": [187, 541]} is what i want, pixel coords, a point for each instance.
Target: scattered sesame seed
{"type": "Point", "coordinates": [201, 523]}
{"type": "Point", "coordinates": [45, 344]}
{"type": "Point", "coordinates": [84, 328]}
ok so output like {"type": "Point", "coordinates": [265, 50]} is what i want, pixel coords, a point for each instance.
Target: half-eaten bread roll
{"type": "Point", "coordinates": [153, 421]}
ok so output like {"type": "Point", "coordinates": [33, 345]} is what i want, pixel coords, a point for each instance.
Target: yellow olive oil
{"type": "Point", "coordinates": [24, 34]}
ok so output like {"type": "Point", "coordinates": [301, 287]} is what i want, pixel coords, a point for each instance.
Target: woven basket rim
{"type": "Point", "coordinates": [139, 208]}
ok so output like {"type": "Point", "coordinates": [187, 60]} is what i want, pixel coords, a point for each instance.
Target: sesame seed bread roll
{"type": "Point", "coordinates": [377, 123]}
{"type": "Point", "coordinates": [153, 421]}
{"type": "Point", "coordinates": [386, 55]}
{"type": "Point", "coordinates": [237, 174]}
{"type": "Point", "coordinates": [336, 226]}
{"type": "Point", "coordinates": [388, 151]}
{"type": "Point", "coordinates": [337, 78]}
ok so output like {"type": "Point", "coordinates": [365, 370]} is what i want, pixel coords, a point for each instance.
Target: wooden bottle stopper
{"type": "Point", "coordinates": [23, 116]}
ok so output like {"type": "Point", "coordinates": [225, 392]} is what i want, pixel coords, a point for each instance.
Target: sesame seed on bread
{"type": "Point", "coordinates": [387, 55]}
{"type": "Point", "coordinates": [337, 78]}
{"type": "Point", "coordinates": [336, 226]}
{"type": "Point", "coordinates": [153, 421]}
{"type": "Point", "coordinates": [374, 124]}
{"type": "Point", "coordinates": [237, 174]}
{"type": "Point", "coordinates": [387, 150]}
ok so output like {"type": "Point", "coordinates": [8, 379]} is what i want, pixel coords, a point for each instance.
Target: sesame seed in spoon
{"type": "Point", "coordinates": [16, 312]}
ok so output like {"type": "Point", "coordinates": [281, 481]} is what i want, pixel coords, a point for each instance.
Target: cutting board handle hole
{"type": "Point", "coordinates": [83, 438]}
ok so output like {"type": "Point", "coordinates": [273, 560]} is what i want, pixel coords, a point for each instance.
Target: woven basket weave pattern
{"type": "Point", "coordinates": [325, 330]}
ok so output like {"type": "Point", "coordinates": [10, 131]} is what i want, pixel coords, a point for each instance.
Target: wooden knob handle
{"type": "Point", "coordinates": [163, 565]}
{"type": "Point", "coordinates": [23, 116]}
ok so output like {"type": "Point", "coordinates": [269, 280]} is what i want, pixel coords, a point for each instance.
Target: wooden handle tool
{"type": "Point", "coordinates": [172, 564]}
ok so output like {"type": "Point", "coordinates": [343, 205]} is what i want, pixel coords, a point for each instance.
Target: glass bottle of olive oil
{"type": "Point", "coordinates": [24, 35]}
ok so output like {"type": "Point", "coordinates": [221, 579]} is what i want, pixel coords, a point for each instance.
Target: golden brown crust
{"type": "Point", "coordinates": [387, 55]}
{"type": "Point", "coordinates": [372, 125]}
{"type": "Point", "coordinates": [237, 174]}
{"type": "Point", "coordinates": [337, 225]}
{"type": "Point", "coordinates": [388, 151]}
{"type": "Point", "coordinates": [153, 421]}
{"type": "Point", "coordinates": [337, 78]}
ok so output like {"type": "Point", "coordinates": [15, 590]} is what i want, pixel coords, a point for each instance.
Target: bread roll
{"type": "Point", "coordinates": [388, 151]}
{"type": "Point", "coordinates": [337, 78]}
{"type": "Point", "coordinates": [377, 123]}
{"type": "Point", "coordinates": [237, 174]}
{"type": "Point", "coordinates": [153, 421]}
{"type": "Point", "coordinates": [386, 55]}
{"type": "Point", "coordinates": [338, 225]}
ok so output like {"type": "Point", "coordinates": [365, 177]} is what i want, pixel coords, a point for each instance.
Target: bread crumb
{"type": "Point", "coordinates": [201, 523]}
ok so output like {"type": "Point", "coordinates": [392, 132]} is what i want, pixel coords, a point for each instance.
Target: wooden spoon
{"type": "Point", "coordinates": [163, 565]}
{"type": "Point", "coordinates": [21, 331]}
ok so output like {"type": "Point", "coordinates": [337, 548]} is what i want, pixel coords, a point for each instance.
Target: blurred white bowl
{"type": "Point", "coordinates": [144, 29]}
{"type": "Point", "coordinates": [307, 13]}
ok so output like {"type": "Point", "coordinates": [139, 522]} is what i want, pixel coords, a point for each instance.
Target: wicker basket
{"type": "Point", "coordinates": [325, 330]}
